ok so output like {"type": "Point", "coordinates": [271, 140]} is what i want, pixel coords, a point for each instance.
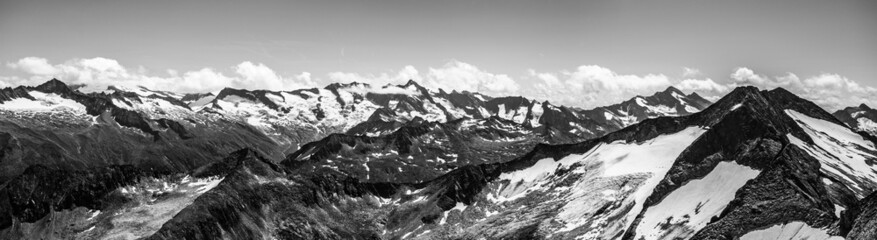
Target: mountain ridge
{"type": "Point", "coordinates": [183, 131]}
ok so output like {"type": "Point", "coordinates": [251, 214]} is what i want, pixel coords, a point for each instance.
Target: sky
{"type": "Point", "coordinates": [577, 53]}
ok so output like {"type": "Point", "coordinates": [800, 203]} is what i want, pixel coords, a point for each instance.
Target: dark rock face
{"type": "Point", "coordinates": [189, 97]}
{"type": "Point", "coordinates": [279, 206]}
{"type": "Point", "coordinates": [176, 127]}
{"type": "Point", "coordinates": [7, 94]}
{"type": "Point", "coordinates": [40, 190]}
{"type": "Point", "coordinates": [256, 96]}
{"type": "Point", "coordinates": [863, 218]}
{"type": "Point", "coordinates": [781, 194]}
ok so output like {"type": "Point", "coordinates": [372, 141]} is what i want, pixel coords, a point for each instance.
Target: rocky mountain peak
{"type": "Point", "coordinates": [336, 86]}
{"type": "Point", "coordinates": [7, 94]}
{"type": "Point", "coordinates": [194, 96]}
{"type": "Point", "coordinates": [411, 82]}
{"type": "Point", "coordinates": [672, 89]}
{"type": "Point", "coordinates": [54, 86]}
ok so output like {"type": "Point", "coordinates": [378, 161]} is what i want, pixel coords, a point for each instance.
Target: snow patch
{"type": "Point", "coordinates": [690, 207]}
{"type": "Point", "coordinates": [790, 231]}
{"type": "Point", "coordinates": [865, 124]}
{"type": "Point", "coordinates": [650, 159]}
{"type": "Point", "coordinates": [153, 203]}
{"type": "Point", "coordinates": [542, 168]}
{"type": "Point", "coordinates": [607, 115]}
{"type": "Point", "coordinates": [690, 109]}
{"type": "Point", "coordinates": [735, 107]}
{"type": "Point", "coordinates": [44, 102]}
{"type": "Point", "coordinates": [830, 129]}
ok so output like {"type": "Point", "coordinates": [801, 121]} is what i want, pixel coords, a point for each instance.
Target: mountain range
{"type": "Point", "coordinates": [355, 161]}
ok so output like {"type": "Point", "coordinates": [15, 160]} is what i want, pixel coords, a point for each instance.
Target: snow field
{"type": "Point", "coordinates": [790, 231]}
{"type": "Point", "coordinates": [690, 207]}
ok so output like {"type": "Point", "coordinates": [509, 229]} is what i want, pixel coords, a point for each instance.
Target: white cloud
{"type": "Point", "coordinates": [586, 86]}
{"type": "Point", "coordinates": [702, 86]}
{"type": "Point", "coordinates": [456, 75]}
{"type": "Point", "coordinates": [204, 80]}
{"type": "Point", "coordinates": [102, 65]}
{"type": "Point", "coordinates": [98, 73]}
{"type": "Point", "coordinates": [746, 76]}
{"type": "Point", "coordinates": [259, 75]}
{"type": "Point", "coordinates": [33, 65]}
{"type": "Point", "coordinates": [690, 72]}
{"type": "Point", "coordinates": [304, 77]}
{"type": "Point", "coordinates": [592, 86]}
{"type": "Point", "coordinates": [400, 77]}
{"type": "Point", "coordinates": [830, 91]}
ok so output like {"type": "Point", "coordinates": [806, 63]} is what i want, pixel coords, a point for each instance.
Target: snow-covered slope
{"type": "Point", "coordinates": [844, 155]}
{"type": "Point", "coordinates": [617, 173]}
{"type": "Point", "coordinates": [790, 231]}
{"type": "Point", "coordinates": [694, 204]}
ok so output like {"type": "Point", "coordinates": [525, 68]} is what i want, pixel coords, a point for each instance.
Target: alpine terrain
{"type": "Point", "coordinates": [355, 161]}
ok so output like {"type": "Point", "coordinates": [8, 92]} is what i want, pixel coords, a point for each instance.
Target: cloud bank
{"type": "Point", "coordinates": [829, 90]}
{"type": "Point", "coordinates": [586, 86]}
{"type": "Point", "coordinates": [454, 75]}
{"type": "Point", "coordinates": [591, 86]}
{"type": "Point", "coordinates": [99, 73]}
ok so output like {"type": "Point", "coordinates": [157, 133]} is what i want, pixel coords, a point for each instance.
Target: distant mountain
{"type": "Point", "coordinates": [62, 128]}
{"type": "Point", "coordinates": [670, 102]}
{"type": "Point", "coordinates": [427, 149]}
{"type": "Point", "coordinates": [416, 152]}
{"type": "Point", "coordinates": [861, 118]}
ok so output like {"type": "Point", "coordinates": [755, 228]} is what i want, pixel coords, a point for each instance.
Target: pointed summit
{"type": "Point", "coordinates": [337, 85]}
{"type": "Point", "coordinates": [864, 107]}
{"type": "Point", "coordinates": [411, 82]}
{"type": "Point", "coordinates": [54, 86]}
{"type": "Point", "coordinates": [672, 89]}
